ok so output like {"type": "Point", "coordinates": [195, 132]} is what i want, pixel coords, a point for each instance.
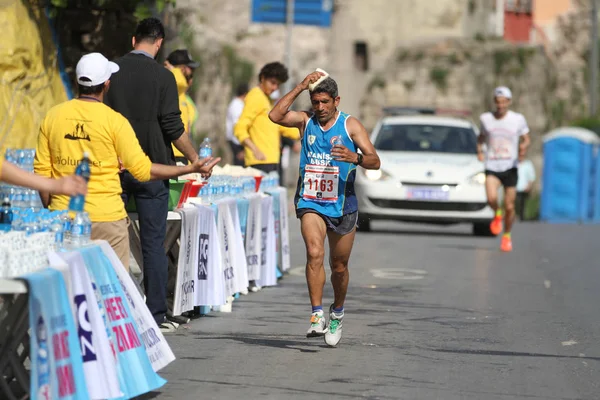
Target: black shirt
{"type": "Point", "coordinates": [145, 93]}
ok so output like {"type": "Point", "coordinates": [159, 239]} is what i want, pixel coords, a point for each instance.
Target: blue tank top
{"type": "Point", "coordinates": [326, 185]}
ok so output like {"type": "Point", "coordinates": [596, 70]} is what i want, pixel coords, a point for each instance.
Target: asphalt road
{"type": "Point", "coordinates": [432, 313]}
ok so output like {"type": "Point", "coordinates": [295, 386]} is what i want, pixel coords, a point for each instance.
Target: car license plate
{"type": "Point", "coordinates": [427, 194]}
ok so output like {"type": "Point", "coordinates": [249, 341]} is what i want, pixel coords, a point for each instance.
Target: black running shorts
{"type": "Point", "coordinates": [507, 178]}
{"type": "Point", "coordinates": [342, 225]}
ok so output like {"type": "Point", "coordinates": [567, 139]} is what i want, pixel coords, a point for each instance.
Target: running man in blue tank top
{"type": "Point", "coordinates": [325, 200]}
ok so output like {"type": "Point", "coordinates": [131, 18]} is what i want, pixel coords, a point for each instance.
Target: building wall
{"type": "Point", "coordinates": [386, 25]}
{"type": "Point", "coordinates": [545, 16]}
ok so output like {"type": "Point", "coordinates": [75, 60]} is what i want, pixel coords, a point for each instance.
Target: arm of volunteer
{"type": "Point", "coordinates": [202, 166]}
{"type": "Point", "coordinates": [360, 137]}
{"type": "Point", "coordinates": [242, 127]}
{"type": "Point", "coordinates": [69, 185]}
{"type": "Point", "coordinates": [139, 165]}
{"type": "Point", "coordinates": [169, 116]}
{"type": "Point", "coordinates": [184, 145]}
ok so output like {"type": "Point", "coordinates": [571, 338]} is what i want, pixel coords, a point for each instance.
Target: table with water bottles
{"type": "Point", "coordinates": [210, 192]}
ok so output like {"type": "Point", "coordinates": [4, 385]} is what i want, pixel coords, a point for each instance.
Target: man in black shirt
{"type": "Point", "coordinates": [146, 94]}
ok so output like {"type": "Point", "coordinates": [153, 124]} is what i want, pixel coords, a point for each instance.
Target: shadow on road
{"type": "Point", "coordinates": [420, 232]}
{"type": "Point", "coordinates": [279, 343]}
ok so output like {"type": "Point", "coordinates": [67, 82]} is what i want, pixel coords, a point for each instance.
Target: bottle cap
{"type": "Point", "coordinates": [86, 154]}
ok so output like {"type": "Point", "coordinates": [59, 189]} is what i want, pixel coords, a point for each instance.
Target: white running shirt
{"type": "Point", "coordinates": [502, 139]}
{"type": "Point", "coordinates": [234, 110]}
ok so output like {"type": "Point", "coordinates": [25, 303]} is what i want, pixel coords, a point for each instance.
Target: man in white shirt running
{"type": "Point", "coordinates": [234, 110]}
{"type": "Point", "coordinates": [506, 136]}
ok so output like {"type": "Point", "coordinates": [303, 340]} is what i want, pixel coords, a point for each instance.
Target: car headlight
{"type": "Point", "coordinates": [376, 174]}
{"type": "Point", "coordinates": [478, 179]}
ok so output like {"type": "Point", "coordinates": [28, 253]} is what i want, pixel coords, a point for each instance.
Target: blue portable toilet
{"type": "Point", "coordinates": [569, 175]}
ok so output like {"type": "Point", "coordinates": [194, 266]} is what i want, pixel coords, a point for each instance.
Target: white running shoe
{"type": "Point", "coordinates": [333, 334]}
{"type": "Point", "coordinates": [317, 325]}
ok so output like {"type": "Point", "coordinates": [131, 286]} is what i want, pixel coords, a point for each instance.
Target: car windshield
{"type": "Point", "coordinates": [426, 138]}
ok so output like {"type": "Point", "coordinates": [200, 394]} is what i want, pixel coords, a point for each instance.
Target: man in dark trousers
{"type": "Point", "coordinates": [145, 92]}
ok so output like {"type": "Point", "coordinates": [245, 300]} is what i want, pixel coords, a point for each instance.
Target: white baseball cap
{"type": "Point", "coordinates": [503, 91]}
{"type": "Point", "coordinates": [95, 68]}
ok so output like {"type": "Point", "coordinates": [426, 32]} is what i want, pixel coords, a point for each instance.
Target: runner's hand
{"type": "Point", "coordinates": [341, 153]}
{"type": "Point", "coordinates": [259, 155]}
{"type": "Point", "coordinates": [71, 185]}
{"type": "Point", "coordinates": [311, 78]}
{"type": "Point", "coordinates": [480, 157]}
{"type": "Point", "coordinates": [205, 165]}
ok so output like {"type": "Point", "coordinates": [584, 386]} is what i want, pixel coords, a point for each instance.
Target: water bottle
{"type": "Point", "coordinates": [57, 228]}
{"type": "Point", "coordinates": [78, 229]}
{"type": "Point", "coordinates": [6, 216]}
{"type": "Point", "coordinates": [87, 228]}
{"type": "Point", "coordinates": [337, 141]}
{"type": "Point", "coordinates": [205, 149]}
{"type": "Point", "coordinates": [83, 169]}
{"type": "Point", "coordinates": [66, 221]}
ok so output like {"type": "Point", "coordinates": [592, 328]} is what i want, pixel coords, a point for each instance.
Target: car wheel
{"type": "Point", "coordinates": [364, 224]}
{"type": "Point", "coordinates": [482, 230]}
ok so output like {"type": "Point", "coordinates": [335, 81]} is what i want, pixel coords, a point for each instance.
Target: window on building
{"type": "Point", "coordinates": [361, 56]}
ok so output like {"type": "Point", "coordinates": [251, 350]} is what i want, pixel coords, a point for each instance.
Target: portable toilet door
{"type": "Point", "coordinates": [569, 175]}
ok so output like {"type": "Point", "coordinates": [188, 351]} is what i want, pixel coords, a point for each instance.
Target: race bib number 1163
{"type": "Point", "coordinates": [321, 183]}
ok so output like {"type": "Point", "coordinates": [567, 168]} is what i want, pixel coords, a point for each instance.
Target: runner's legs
{"type": "Point", "coordinates": [510, 194]}
{"type": "Point", "coordinates": [314, 230]}
{"type": "Point", "coordinates": [340, 247]}
{"type": "Point", "coordinates": [492, 184]}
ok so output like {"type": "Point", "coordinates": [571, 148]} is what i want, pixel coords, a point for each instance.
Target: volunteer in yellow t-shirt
{"type": "Point", "coordinates": [261, 137]}
{"type": "Point", "coordinates": [86, 124]}
{"type": "Point", "coordinates": [181, 64]}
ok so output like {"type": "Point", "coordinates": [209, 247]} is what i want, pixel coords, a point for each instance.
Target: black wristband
{"type": "Point", "coordinates": [359, 160]}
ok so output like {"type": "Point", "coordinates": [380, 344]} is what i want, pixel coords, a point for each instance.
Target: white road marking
{"type": "Point", "coordinates": [547, 284]}
{"type": "Point", "coordinates": [569, 342]}
{"type": "Point", "coordinates": [399, 273]}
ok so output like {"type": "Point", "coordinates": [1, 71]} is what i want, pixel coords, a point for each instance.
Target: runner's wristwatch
{"type": "Point", "coordinates": [359, 159]}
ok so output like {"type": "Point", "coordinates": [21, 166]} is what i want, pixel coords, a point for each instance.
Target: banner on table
{"type": "Point", "coordinates": [284, 230]}
{"type": "Point", "coordinates": [56, 362]}
{"type": "Point", "coordinates": [188, 253]}
{"type": "Point", "coordinates": [243, 205]}
{"type": "Point", "coordinates": [158, 350]}
{"type": "Point", "coordinates": [268, 275]}
{"type": "Point", "coordinates": [276, 224]}
{"type": "Point", "coordinates": [136, 375]}
{"type": "Point", "coordinates": [237, 252]}
{"type": "Point", "coordinates": [99, 361]}
{"type": "Point", "coordinates": [209, 270]}
{"type": "Point", "coordinates": [254, 236]}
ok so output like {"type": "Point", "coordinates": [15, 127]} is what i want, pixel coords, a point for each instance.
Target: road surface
{"type": "Point", "coordinates": [432, 313]}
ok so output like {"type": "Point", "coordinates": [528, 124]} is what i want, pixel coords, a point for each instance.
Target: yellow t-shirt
{"type": "Point", "coordinates": [76, 126]}
{"type": "Point", "coordinates": [254, 123]}
{"type": "Point", "coordinates": [188, 111]}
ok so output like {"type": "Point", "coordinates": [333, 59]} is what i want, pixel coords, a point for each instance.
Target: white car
{"type": "Point", "coordinates": [429, 173]}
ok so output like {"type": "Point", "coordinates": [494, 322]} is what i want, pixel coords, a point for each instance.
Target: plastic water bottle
{"type": "Point", "coordinates": [87, 228]}
{"type": "Point", "coordinates": [205, 149]}
{"type": "Point", "coordinates": [337, 141]}
{"type": "Point", "coordinates": [6, 216]}
{"type": "Point", "coordinates": [78, 229]}
{"type": "Point", "coordinates": [83, 169]}
{"type": "Point", "coordinates": [57, 228]}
